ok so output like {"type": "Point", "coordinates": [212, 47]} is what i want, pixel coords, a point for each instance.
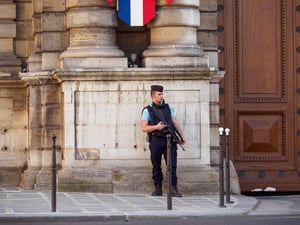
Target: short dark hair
{"type": "Point", "coordinates": [157, 88]}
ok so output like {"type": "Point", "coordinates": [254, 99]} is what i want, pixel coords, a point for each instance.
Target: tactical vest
{"type": "Point", "coordinates": [165, 109]}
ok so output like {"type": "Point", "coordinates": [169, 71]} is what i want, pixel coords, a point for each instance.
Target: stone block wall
{"type": "Point", "coordinates": [102, 133]}
{"type": "Point", "coordinates": [71, 67]}
{"type": "Point", "coordinates": [14, 150]}
{"type": "Point", "coordinates": [207, 38]}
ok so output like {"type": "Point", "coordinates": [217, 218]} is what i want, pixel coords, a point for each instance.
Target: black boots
{"type": "Point", "coordinates": [158, 191]}
{"type": "Point", "coordinates": [174, 191]}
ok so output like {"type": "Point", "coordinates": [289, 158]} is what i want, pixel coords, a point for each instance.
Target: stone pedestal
{"type": "Point", "coordinates": [174, 36]}
{"type": "Point", "coordinates": [104, 148]}
{"type": "Point", "coordinates": [92, 33]}
{"type": "Point", "coordinates": [9, 63]}
{"type": "Point", "coordinates": [44, 121]}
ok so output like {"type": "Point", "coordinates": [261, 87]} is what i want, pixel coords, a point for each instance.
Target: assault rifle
{"type": "Point", "coordinates": [170, 129]}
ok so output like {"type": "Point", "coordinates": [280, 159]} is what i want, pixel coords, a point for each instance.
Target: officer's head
{"type": "Point", "coordinates": [157, 93]}
{"type": "Point", "coordinates": [157, 88]}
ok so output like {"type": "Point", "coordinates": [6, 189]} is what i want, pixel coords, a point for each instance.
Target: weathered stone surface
{"type": "Point", "coordinates": [208, 21]}
{"type": "Point", "coordinates": [91, 3]}
{"type": "Point", "coordinates": [94, 62]}
{"type": "Point", "coordinates": [10, 177]}
{"type": "Point", "coordinates": [94, 105]}
{"type": "Point", "coordinates": [8, 29]}
{"type": "Point", "coordinates": [23, 48]}
{"type": "Point", "coordinates": [8, 11]}
{"type": "Point", "coordinates": [13, 131]}
{"type": "Point", "coordinates": [50, 60]}
{"type": "Point", "coordinates": [28, 178]}
{"type": "Point", "coordinates": [208, 5]}
{"type": "Point", "coordinates": [92, 39]}
{"type": "Point", "coordinates": [54, 5]}
{"type": "Point", "coordinates": [53, 21]}
{"type": "Point", "coordinates": [184, 16]}
{"type": "Point", "coordinates": [174, 37]}
{"type": "Point", "coordinates": [6, 45]}
{"type": "Point", "coordinates": [165, 62]}
{"type": "Point", "coordinates": [24, 10]}
{"type": "Point", "coordinates": [85, 179]}
{"type": "Point", "coordinates": [207, 39]}
{"type": "Point", "coordinates": [54, 41]}
{"type": "Point", "coordinates": [87, 17]}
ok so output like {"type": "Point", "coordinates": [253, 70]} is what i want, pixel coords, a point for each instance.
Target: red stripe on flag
{"type": "Point", "coordinates": [169, 1]}
{"type": "Point", "coordinates": [149, 10]}
{"type": "Point", "coordinates": [110, 1]}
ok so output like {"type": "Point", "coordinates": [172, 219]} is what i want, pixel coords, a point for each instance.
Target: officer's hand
{"type": "Point", "coordinates": [160, 126]}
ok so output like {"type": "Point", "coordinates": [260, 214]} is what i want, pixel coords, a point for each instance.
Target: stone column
{"type": "Point", "coordinates": [9, 63]}
{"type": "Point", "coordinates": [35, 59]}
{"type": "Point", "coordinates": [44, 115]}
{"type": "Point", "coordinates": [92, 33]}
{"type": "Point", "coordinates": [174, 36]}
{"type": "Point", "coordinates": [49, 34]}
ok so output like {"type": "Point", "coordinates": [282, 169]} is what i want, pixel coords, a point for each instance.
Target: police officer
{"type": "Point", "coordinates": [157, 138]}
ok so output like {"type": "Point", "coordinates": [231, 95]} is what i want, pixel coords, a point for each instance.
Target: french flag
{"type": "Point", "coordinates": [136, 12]}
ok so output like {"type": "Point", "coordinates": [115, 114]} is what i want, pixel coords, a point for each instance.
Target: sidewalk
{"type": "Point", "coordinates": [19, 204]}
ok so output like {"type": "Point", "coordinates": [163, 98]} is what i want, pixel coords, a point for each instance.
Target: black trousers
{"type": "Point", "coordinates": [158, 148]}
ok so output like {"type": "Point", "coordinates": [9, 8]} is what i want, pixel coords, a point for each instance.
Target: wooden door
{"type": "Point", "coordinates": [259, 50]}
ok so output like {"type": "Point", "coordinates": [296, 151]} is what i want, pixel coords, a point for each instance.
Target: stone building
{"type": "Point", "coordinates": [71, 68]}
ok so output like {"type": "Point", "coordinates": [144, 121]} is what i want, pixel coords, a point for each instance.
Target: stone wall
{"type": "Point", "coordinates": [104, 148]}
{"type": "Point", "coordinates": [13, 132]}
{"type": "Point", "coordinates": [74, 55]}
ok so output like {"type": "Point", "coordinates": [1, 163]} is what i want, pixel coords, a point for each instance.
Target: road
{"type": "Point", "coordinates": [277, 204]}
{"type": "Point", "coordinates": [222, 220]}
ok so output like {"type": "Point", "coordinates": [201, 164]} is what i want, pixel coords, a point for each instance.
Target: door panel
{"type": "Point", "coordinates": [257, 96]}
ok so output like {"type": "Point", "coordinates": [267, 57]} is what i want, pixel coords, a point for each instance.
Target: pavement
{"type": "Point", "coordinates": [18, 204]}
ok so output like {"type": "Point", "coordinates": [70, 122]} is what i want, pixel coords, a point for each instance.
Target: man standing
{"type": "Point", "coordinates": [157, 132]}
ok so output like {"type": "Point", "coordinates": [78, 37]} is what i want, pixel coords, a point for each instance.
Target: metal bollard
{"type": "Point", "coordinates": [169, 173]}
{"type": "Point", "coordinates": [227, 171]}
{"type": "Point", "coordinates": [221, 169]}
{"type": "Point", "coordinates": [53, 194]}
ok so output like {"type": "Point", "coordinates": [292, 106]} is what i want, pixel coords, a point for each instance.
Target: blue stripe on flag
{"type": "Point", "coordinates": [124, 10]}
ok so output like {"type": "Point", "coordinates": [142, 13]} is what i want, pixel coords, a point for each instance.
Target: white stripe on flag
{"type": "Point", "coordinates": [136, 13]}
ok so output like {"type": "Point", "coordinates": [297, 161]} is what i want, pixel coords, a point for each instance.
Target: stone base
{"type": "Point", "coordinates": [132, 180]}
{"type": "Point", "coordinates": [44, 180]}
{"type": "Point", "coordinates": [85, 180]}
{"type": "Point", "coordinates": [118, 62]}
{"type": "Point", "coordinates": [200, 180]}
{"type": "Point", "coordinates": [10, 177]}
{"type": "Point", "coordinates": [166, 62]}
{"type": "Point", "coordinates": [28, 178]}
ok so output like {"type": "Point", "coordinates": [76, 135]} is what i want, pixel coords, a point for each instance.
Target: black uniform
{"type": "Point", "coordinates": [158, 145]}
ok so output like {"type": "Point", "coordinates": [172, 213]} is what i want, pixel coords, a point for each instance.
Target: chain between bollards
{"type": "Point", "coordinates": [221, 169]}
{"type": "Point", "coordinates": [169, 173]}
{"type": "Point", "coordinates": [53, 194]}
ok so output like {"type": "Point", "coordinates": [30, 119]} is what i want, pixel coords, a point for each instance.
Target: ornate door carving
{"type": "Point", "coordinates": [259, 96]}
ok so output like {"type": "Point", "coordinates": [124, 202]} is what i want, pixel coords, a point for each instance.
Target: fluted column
{"type": "Point", "coordinates": [92, 33]}
{"type": "Point", "coordinates": [174, 36]}
{"type": "Point", "coordinates": [9, 63]}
